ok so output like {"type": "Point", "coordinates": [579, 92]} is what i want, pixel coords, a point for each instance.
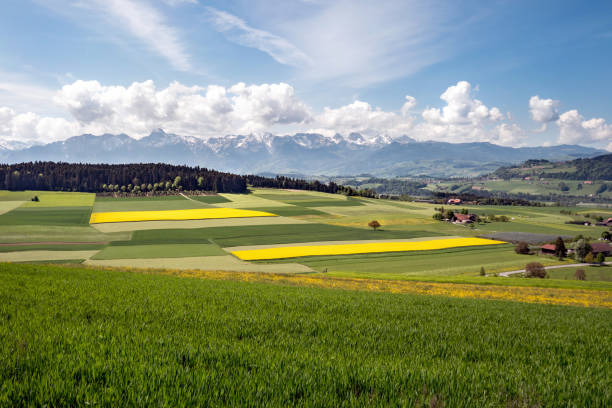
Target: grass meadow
{"type": "Point", "coordinates": [76, 337]}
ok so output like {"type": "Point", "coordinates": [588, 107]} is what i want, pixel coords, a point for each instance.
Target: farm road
{"type": "Point", "coordinates": [506, 274]}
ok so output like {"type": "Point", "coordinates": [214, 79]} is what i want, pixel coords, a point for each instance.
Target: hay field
{"type": "Point", "coordinates": [213, 263]}
{"type": "Point", "coordinates": [27, 256]}
{"type": "Point", "coordinates": [158, 251]}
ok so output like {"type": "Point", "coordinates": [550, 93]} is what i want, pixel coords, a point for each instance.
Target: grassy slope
{"type": "Point", "coordinates": [271, 234]}
{"type": "Point", "coordinates": [78, 337]}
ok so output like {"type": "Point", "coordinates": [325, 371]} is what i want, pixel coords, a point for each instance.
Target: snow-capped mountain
{"type": "Point", "coordinates": [304, 153]}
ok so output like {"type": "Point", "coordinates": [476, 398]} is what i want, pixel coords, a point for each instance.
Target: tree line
{"type": "Point", "coordinates": [300, 184]}
{"type": "Point", "coordinates": [140, 178]}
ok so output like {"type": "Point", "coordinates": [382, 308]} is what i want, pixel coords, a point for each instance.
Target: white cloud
{"type": "Point", "coordinates": [461, 108]}
{"type": "Point", "coordinates": [409, 105]}
{"type": "Point", "coordinates": [216, 111]}
{"type": "Point", "coordinates": [465, 119]}
{"type": "Point", "coordinates": [30, 128]}
{"type": "Point", "coordinates": [509, 134]}
{"type": "Point", "coordinates": [238, 31]}
{"type": "Point", "coordinates": [362, 118]}
{"type": "Point", "coordinates": [198, 111]}
{"type": "Point", "coordinates": [543, 111]}
{"type": "Point", "coordinates": [574, 129]}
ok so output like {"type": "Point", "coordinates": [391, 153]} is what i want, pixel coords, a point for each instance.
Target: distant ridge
{"type": "Point", "coordinates": [303, 153]}
{"type": "Point", "coordinates": [596, 168]}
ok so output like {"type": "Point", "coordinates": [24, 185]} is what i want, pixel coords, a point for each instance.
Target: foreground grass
{"type": "Point", "coordinates": [77, 336]}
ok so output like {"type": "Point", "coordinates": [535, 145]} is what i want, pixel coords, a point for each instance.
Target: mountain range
{"type": "Point", "coordinates": [301, 153]}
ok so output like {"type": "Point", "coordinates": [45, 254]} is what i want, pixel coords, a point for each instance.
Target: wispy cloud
{"type": "Point", "coordinates": [238, 31]}
{"type": "Point", "coordinates": [351, 42]}
{"type": "Point", "coordinates": [174, 3]}
{"type": "Point", "coordinates": [139, 19]}
{"type": "Point", "coordinates": [147, 24]}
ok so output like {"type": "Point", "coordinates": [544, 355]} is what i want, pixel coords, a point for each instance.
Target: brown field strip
{"type": "Point", "coordinates": [220, 263]}
{"type": "Point", "coordinates": [9, 244]}
{"type": "Point", "coordinates": [552, 296]}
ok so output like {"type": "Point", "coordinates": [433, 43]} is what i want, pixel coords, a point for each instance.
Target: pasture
{"type": "Point", "coordinates": [75, 337]}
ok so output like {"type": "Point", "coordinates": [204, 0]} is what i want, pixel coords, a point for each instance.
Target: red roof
{"type": "Point", "coordinates": [550, 247]}
{"type": "Point", "coordinates": [598, 247]}
{"type": "Point", "coordinates": [464, 217]}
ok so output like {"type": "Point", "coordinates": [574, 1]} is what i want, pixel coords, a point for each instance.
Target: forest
{"type": "Point", "coordinates": [146, 178]}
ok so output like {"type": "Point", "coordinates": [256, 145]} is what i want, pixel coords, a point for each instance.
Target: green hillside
{"type": "Point", "coordinates": [596, 168]}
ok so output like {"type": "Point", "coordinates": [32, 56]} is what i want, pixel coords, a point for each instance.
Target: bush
{"type": "Point", "coordinates": [535, 270]}
{"type": "Point", "coordinates": [580, 274]}
{"type": "Point", "coordinates": [522, 248]}
{"type": "Point", "coordinates": [482, 271]}
{"type": "Point", "coordinates": [601, 258]}
{"type": "Point", "coordinates": [589, 258]}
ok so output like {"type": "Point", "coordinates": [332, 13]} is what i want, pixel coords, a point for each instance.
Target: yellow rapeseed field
{"type": "Point", "coordinates": [175, 215]}
{"type": "Point", "coordinates": [349, 249]}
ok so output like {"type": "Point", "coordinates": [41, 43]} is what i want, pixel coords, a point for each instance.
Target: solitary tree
{"type": "Point", "coordinates": [560, 250]}
{"type": "Point", "coordinates": [482, 271]}
{"type": "Point", "coordinates": [522, 248]}
{"type": "Point", "coordinates": [374, 224]}
{"type": "Point", "coordinates": [580, 274]}
{"type": "Point", "coordinates": [535, 270]}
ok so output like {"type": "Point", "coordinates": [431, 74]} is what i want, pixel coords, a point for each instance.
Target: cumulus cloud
{"type": "Point", "coordinates": [199, 111]}
{"type": "Point", "coordinates": [574, 129]}
{"type": "Point", "coordinates": [543, 110]}
{"type": "Point", "coordinates": [216, 111]}
{"type": "Point", "coordinates": [362, 118]}
{"type": "Point", "coordinates": [464, 119]}
{"type": "Point", "coordinates": [461, 108]}
{"type": "Point", "coordinates": [30, 128]}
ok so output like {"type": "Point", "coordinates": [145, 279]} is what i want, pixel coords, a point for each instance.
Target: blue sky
{"type": "Point", "coordinates": [380, 68]}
